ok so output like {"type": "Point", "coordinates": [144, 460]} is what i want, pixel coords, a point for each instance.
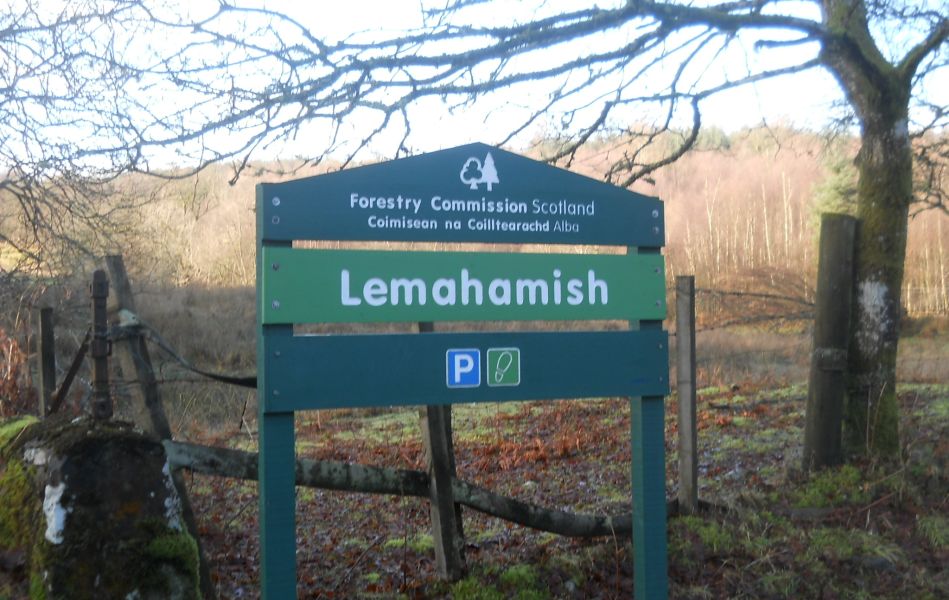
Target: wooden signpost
{"type": "Point", "coordinates": [473, 193]}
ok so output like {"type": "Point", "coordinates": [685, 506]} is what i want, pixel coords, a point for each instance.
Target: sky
{"type": "Point", "coordinates": [808, 99]}
{"type": "Point", "coordinates": [803, 100]}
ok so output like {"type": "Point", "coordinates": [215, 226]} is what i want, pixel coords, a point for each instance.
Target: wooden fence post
{"type": "Point", "coordinates": [685, 386]}
{"type": "Point", "coordinates": [100, 350]}
{"type": "Point", "coordinates": [827, 383]}
{"type": "Point", "coordinates": [47, 357]}
{"type": "Point", "coordinates": [134, 361]}
{"type": "Point", "coordinates": [447, 528]}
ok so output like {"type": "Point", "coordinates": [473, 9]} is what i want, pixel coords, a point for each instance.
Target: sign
{"type": "Point", "coordinates": [463, 368]}
{"type": "Point", "coordinates": [436, 368]}
{"type": "Point", "coordinates": [474, 193]}
{"type": "Point", "coordinates": [353, 286]}
{"type": "Point", "coordinates": [504, 367]}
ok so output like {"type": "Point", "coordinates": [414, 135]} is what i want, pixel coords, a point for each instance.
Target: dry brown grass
{"type": "Point", "coordinates": [740, 216]}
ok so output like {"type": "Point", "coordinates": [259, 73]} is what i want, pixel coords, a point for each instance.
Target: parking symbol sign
{"type": "Point", "coordinates": [463, 367]}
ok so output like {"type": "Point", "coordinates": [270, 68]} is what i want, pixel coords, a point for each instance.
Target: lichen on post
{"type": "Point", "coordinates": [91, 508]}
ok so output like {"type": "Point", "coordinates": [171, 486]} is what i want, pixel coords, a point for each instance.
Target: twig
{"type": "Point", "coordinates": [349, 572]}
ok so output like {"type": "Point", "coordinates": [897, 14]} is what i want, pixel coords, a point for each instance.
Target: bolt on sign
{"type": "Point", "coordinates": [474, 194]}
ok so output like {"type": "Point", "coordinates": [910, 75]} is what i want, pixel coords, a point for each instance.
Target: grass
{"type": "Point", "coordinates": [865, 530]}
{"type": "Point", "coordinates": [840, 486]}
{"type": "Point", "coordinates": [934, 529]}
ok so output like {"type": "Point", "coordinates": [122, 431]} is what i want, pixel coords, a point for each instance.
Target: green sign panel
{"type": "Point", "coordinates": [349, 286]}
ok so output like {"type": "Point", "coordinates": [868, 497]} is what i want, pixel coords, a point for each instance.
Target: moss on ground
{"type": "Point", "coordinates": [472, 588]}
{"type": "Point", "coordinates": [838, 486]}
{"type": "Point", "coordinates": [419, 543]}
{"type": "Point", "coordinates": [935, 530]}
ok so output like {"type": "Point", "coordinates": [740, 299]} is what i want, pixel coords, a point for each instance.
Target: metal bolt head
{"type": "Point", "coordinates": [655, 230]}
{"type": "Point", "coordinates": [276, 353]}
{"type": "Point", "coordinates": [276, 201]}
{"type": "Point", "coordinates": [655, 214]}
{"type": "Point", "coordinates": [276, 392]}
{"type": "Point", "coordinates": [275, 304]}
{"type": "Point", "coordinates": [275, 220]}
{"type": "Point", "coordinates": [275, 266]}
{"type": "Point", "coordinates": [658, 302]}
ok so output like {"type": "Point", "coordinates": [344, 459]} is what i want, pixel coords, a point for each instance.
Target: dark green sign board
{"type": "Point", "coordinates": [397, 369]}
{"type": "Point", "coordinates": [473, 193]}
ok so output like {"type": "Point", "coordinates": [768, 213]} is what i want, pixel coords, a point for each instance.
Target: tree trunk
{"type": "Point", "coordinates": [879, 93]}
{"type": "Point", "coordinates": [871, 419]}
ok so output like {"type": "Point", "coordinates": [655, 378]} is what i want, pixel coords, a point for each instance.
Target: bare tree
{"type": "Point", "coordinates": [237, 79]}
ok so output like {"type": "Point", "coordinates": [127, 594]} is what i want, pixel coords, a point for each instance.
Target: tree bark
{"type": "Point", "coordinates": [333, 475]}
{"type": "Point", "coordinates": [880, 93]}
{"type": "Point", "coordinates": [871, 417]}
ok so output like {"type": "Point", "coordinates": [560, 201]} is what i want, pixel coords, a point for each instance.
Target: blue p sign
{"type": "Point", "coordinates": [463, 368]}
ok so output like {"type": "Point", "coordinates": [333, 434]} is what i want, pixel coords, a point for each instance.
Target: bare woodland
{"type": "Point", "coordinates": [85, 88]}
{"type": "Point", "coordinates": [115, 141]}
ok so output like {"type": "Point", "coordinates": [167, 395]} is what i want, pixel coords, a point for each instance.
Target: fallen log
{"type": "Point", "coordinates": [335, 475]}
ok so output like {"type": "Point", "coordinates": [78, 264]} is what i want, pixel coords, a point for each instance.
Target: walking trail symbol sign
{"type": "Point", "coordinates": [480, 194]}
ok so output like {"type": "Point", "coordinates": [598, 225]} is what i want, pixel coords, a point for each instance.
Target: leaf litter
{"type": "Point", "coordinates": [766, 529]}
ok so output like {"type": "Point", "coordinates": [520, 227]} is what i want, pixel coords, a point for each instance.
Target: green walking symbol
{"type": "Point", "coordinates": [504, 366]}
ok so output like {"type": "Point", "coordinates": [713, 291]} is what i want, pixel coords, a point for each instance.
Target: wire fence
{"type": "Point", "coordinates": [766, 337]}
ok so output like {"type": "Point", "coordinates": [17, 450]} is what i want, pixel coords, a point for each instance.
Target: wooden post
{"type": "Point", "coordinates": [685, 386]}
{"type": "Point", "coordinates": [47, 357]}
{"type": "Point", "coordinates": [134, 360]}
{"type": "Point", "coordinates": [135, 363]}
{"type": "Point", "coordinates": [827, 383]}
{"type": "Point", "coordinates": [447, 528]}
{"type": "Point", "coordinates": [71, 373]}
{"type": "Point", "coordinates": [101, 398]}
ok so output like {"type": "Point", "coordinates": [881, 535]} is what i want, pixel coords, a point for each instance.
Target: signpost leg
{"type": "Point", "coordinates": [649, 498]}
{"type": "Point", "coordinates": [447, 531]}
{"type": "Point", "coordinates": [278, 563]}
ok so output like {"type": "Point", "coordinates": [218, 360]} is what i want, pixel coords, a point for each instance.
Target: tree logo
{"type": "Point", "coordinates": [475, 172]}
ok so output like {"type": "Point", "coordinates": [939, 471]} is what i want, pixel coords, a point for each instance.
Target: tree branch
{"type": "Point", "coordinates": [907, 67]}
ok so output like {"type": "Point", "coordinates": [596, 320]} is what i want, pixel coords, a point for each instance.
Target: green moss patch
{"type": "Point", "coordinates": [10, 428]}
{"type": "Point", "coordinates": [832, 487]}
{"type": "Point", "coordinates": [935, 530]}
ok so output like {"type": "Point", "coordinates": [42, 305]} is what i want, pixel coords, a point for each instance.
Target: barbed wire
{"type": "Point", "coordinates": [131, 324]}
{"type": "Point", "coordinates": [761, 295]}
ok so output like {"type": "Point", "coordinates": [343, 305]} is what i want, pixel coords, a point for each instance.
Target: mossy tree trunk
{"type": "Point", "coordinates": [880, 93]}
{"type": "Point", "coordinates": [871, 422]}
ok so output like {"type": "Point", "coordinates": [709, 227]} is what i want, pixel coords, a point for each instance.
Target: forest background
{"type": "Point", "coordinates": [742, 215]}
